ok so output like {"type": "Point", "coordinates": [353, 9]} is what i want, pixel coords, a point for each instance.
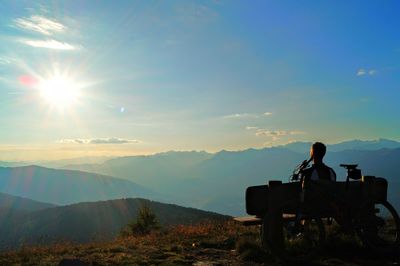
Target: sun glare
{"type": "Point", "coordinates": [59, 92]}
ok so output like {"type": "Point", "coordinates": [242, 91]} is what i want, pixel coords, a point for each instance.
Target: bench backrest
{"type": "Point", "coordinates": [355, 192]}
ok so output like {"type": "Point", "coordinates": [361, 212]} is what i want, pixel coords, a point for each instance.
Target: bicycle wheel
{"type": "Point", "coordinates": [379, 227]}
{"type": "Point", "coordinates": [292, 236]}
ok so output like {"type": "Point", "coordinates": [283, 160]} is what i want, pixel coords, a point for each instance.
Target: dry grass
{"type": "Point", "coordinates": [224, 243]}
{"type": "Point", "coordinates": [177, 245]}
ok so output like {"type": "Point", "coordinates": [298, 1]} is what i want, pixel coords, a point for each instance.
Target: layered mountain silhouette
{"type": "Point", "coordinates": [57, 163]}
{"type": "Point", "coordinates": [148, 169]}
{"type": "Point", "coordinates": [212, 182]}
{"type": "Point", "coordinates": [23, 204]}
{"type": "Point", "coordinates": [362, 145]}
{"type": "Point", "coordinates": [217, 181]}
{"type": "Point", "coordinates": [62, 187]}
{"type": "Point", "coordinates": [89, 221]}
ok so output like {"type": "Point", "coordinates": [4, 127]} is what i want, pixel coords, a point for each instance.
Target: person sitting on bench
{"type": "Point", "coordinates": [317, 180]}
{"type": "Point", "coordinates": [319, 170]}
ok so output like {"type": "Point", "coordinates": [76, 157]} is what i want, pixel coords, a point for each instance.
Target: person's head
{"type": "Point", "coordinates": [317, 151]}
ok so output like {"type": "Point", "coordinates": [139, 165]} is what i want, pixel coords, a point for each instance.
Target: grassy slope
{"type": "Point", "coordinates": [225, 243]}
{"type": "Point", "coordinates": [88, 221]}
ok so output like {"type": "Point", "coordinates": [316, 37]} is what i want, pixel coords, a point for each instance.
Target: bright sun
{"type": "Point", "coordinates": [59, 91]}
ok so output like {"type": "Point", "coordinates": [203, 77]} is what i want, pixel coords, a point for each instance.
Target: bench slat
{"type": "Point", "coordinates": [254, 220]}
{"type": "Point", "coordinates": [248, 220]}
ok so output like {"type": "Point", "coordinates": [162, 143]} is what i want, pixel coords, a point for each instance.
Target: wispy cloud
{"type": "Point", "coordinates": [47, 27]}
{"type": "Point", "coordinates": [50, 44]}
{"type": "Point", "coordinates": [251, 128]}
{"type": "Point", "coordinates": [274, 134]}
{"type": "Point", "coordinates": [363, 72]}
{"type": "Point", "coordinates": [99, 141]}
{"type": "Point", "coordinates": [247, 115]}
{"type": "Point", "coordinates": [113, 141]}
{"type": "Point", "coordinates": [240, 115]}
{"type": "Point", "coordinates": [271, 133]}
{"type": "Point", "coordinates": [297, 132]}
{"type": "Point", "coordinates": [40, 24]}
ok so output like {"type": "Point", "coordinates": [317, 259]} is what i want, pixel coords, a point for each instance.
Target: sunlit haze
{"type": "Point", "coordinates": [106, 78]}
{"type": "Point", "coordinates": [59, 92]}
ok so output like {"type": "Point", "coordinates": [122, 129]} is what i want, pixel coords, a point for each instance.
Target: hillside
{"type": "Point", "coordinates": [63, 187]}
{"type": "Point", "coordinates": [84, 222]}
{"type": "Point", "coordinates": [23, 204]}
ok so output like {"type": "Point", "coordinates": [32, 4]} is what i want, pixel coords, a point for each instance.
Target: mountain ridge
{"type": "Point", "coordinates": [218, 183]}
{"type": "Point", "coordinates": [63, 186]}
{"type": "Point", "coordinates": [88, 221]}
{"type": "Point", "coordinates": [8, 201]}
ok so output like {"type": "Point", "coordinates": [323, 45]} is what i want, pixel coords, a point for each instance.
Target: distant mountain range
{"type": "Point", "coordinates": [361, 145]}
{"type": "Point", "coordinates": [214, 182]}
{"type": "Point", "coordinates": [217, 182]}
{"type": "Point", "coordinates": [85, 222]}
{"type": "Point", "coordinates": [147, 169]}
{"type": "Point", "coordinates": [62, 187]}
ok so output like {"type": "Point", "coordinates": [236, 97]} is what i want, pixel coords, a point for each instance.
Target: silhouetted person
{"type": "Point", "coordinates": [316, 183]}
{"type": "Point", "coordinates": [316, 179]}
{"type": "Point", "coordinates": [318, 171]}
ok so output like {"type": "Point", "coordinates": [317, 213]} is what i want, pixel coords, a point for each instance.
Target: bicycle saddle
{"type": "Point", "coordinates": [349, 166]}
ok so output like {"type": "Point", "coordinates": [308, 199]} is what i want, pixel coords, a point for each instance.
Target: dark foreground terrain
{"type": "Point", "coordinates": [223, 243]}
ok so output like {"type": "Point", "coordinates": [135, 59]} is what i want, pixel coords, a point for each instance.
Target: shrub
{"type": "Point", "coordinates": [145, 222]}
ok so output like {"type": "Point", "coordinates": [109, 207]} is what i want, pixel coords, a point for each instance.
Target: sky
{"type": "Point", "coordinates": [115, 78]}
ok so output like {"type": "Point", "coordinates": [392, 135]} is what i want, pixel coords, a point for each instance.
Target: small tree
{"type": "Point", "coordinates": [146, 221]}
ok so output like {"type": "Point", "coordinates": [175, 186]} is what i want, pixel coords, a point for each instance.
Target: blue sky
{"type": "Point", "coordinates": [195, 75]}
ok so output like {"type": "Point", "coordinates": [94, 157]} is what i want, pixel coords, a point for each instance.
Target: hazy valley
{"type": "Point", "coordinates": [217, 182]}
